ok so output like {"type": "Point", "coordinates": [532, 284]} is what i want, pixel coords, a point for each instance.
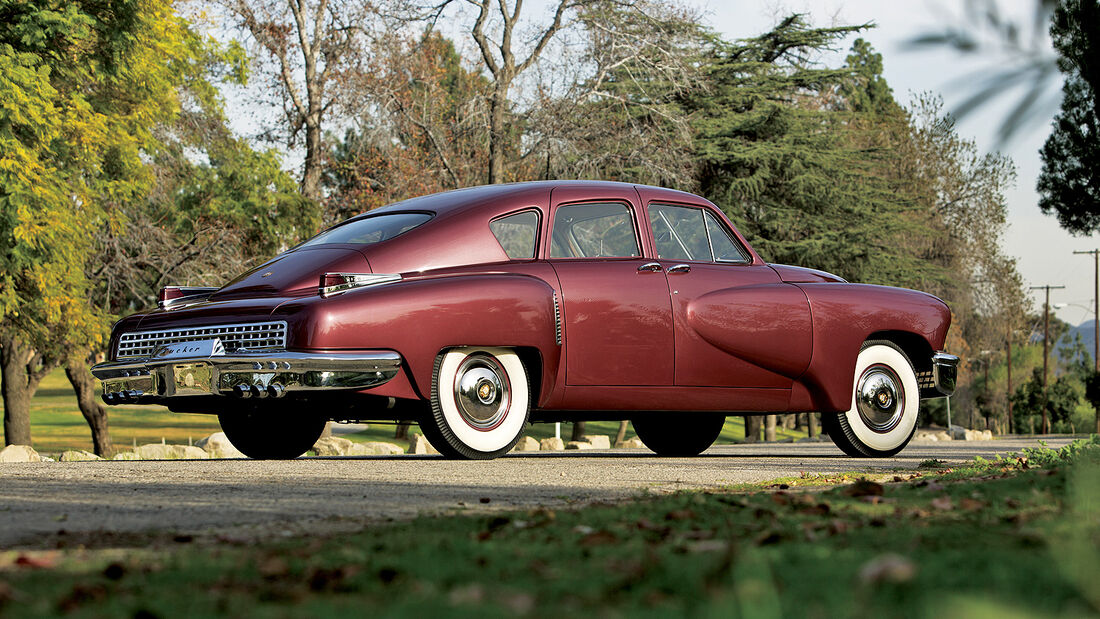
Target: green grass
{"type": "Point", "coordinates": [57, 425]}
{"type": "Point", "coordinates": [1009, 538]}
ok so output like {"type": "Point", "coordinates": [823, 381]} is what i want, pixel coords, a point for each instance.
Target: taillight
{"type": "Point", "coordinates": [175, 295]}
{"type": "Point", "coordinates": [336, 283]}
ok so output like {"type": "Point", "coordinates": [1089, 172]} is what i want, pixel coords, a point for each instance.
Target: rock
{"type": "Point", "coordinates": [551, 444]}
{"type": "Point", "coordinates": [78, 455]}
{"type": "Point", "coordinates": [159, 451]}
{"type": "Point", "coordinates": [19, 453]}
{"type": "Point", "coordinates": [527, 444]}
{"type": "Point", "coordinates": [420, 445]}
{"type": "Point", "coordinates": [598, 441]}
{"type": "Point", "coordinates": [930, 436]}
{"type": "Point", "coordinates": [631, 443]}
{"type": "Point", "coordinates": [126, 455]}
{"type": "Point", "coordinates": [332, 446]}
{"type": "Point", "coordinates": [578, 445]}
{"type": "Point", "coordinates": [217, 445]}
{"type": "Point", "coordinates": [957, 433]}
{"type": "Point", "coordinates": [979, 435]}
{"type": "Point", "coordinates": [375, 448]}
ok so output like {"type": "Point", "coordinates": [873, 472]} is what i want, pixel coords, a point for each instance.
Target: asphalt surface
{"type": "Point", "coordinates": [53, 504]}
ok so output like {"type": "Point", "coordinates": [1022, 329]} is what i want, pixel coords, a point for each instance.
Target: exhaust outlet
{"type": "Point", "coordinates": [258, 391]}
{"type": "Point", "coordinates": [242, 391]}
{"type": "Point", "coordinates": [276, 390]}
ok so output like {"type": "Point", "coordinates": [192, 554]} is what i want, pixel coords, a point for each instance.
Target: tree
{"type": "Point", "coordinates": [1027, 402]}
{"type": "Point", "coordinates": [80, 88]}
{"type": "Point", "coordinates": [1069, 183]}
{"type": "Point", "coordinates": [308, 50]}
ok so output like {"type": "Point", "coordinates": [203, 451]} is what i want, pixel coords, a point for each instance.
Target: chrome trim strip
{"type": "Point", "coordinates": [136, 345]}
{"type": "Point", "coordinates": [191, 294]}
{"type": "Point", "coordinates": [257, 374]}
{"type": "Point", "coordinates": [945, 370]}
{"type": "Point", "coordinates": [356, 280]}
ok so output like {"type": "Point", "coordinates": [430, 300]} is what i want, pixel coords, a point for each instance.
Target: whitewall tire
{"type": "Point", "coordinates": [885, 403]}
{"type": "Point", "coordinates": [481, 399]}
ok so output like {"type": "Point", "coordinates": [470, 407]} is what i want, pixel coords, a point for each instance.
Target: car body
{"type": "Point", "coordinates": [617, 301]}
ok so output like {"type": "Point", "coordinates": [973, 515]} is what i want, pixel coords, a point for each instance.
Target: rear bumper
{"type": "Point", "coordinates": [244, 375]}
{"type": "Point", "coordinates": [945, 371]}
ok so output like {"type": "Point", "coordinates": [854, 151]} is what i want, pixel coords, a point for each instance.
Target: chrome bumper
{"type": "Point", "coordinates": [945, 370]}
{"type": "Point", "coordinates": [244, 375]}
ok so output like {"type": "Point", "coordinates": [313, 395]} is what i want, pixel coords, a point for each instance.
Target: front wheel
{"type": "Point", "coordinates": [686, 434]}
{"type": "Point", "coordinates": [885, 403]}
{"type": "Point", "coordinates": [275, 431]}
{"type": "Point", "coordinates": [481, 399]}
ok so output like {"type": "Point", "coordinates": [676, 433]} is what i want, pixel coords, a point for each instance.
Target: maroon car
{"type": "Point", "coordinates": [474, 312]}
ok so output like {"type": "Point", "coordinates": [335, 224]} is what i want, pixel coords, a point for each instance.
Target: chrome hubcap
{"type": "Point", "coordinates": [879, 398]}
{"type": "Point", "coordinates": [481, 392]}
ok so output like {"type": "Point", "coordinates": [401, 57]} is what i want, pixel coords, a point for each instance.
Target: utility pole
{"type": "Point", "coordinates": [1095, 316]}
{"type": "Point", "coordinates": [1046, 348]}
{"type": "Point", "coordinates": [1011, 423]}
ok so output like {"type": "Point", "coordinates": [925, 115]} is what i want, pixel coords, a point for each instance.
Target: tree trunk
{"type": "Point", "coordinates": [578, 431]}
{"type": "Point", "coordinates": [496, 134]}
{"type": "Point", "coordinates": [811, 425]}
{"type": "Point", "coordinates": [96, 416]}
{"type": "Point", "coordinates": [769, 428]}
{"type": "Point", "coordinates": [752, 429]}
{"type": "Point", "coordinates": [311, 174]}
{"type": "Point", "coordinates": [620, 436]}
{"type": "Point", "coordinates": [402, 431]}
{"type": "Point", "coordinates": [18, 386]}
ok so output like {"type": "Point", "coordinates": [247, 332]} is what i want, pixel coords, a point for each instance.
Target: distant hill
{"type": "Point", "coordinates": [1087, 331]}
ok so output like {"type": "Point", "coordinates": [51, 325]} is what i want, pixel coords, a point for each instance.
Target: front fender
{"type": "Point", "coordinates": [846, 315]}
{"type": "Point", "coordinates": [420, 317]}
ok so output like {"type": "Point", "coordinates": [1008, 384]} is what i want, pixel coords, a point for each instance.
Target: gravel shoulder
{"type": "Point", "coordinates": [102, 503]}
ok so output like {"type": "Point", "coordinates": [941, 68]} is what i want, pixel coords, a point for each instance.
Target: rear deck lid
{"type": "Point", "coordinates": [293, 273]}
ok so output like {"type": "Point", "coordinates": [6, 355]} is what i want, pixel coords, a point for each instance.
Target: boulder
{"type": "Point", "coordinates": [160, 451]}
{"type": "Point", "coordinates": [420, 445]}
{"type": "Point", "coordinates": [979, 435]}
{"type": "Point", "coordinates": [19, 453]}
{"type": "Point", "coordinates": [598, 441]}
{"type": "Point", "coordinates": [957, 433]}
{"type": "Point", "coordinates": [631, 443]}
{"type": "Point", "coordinates": [931, 436]}
{"type": "Point", "coordinates": [578, 445]}
{"type": "Point", "coordinates": [78, 455]}
{"type": "Point", "coordinates": [217, 445]}
{"type": "Point", "coordinates": [332, 446]}
{"type": "Point", "coordinates": [527, 444]}
{"type": "Point", "coordinates": [375, 448]}
{"type": "Point", "coordinates": [551, 444]}
{"type": "Point", "coordinates": [126, 455]}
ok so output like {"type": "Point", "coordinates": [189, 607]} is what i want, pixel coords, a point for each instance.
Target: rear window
{"type": "Point", "coordinates": [369, 230]}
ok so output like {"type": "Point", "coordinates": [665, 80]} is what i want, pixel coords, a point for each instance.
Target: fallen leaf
{"type": "Point", "coordinates": [781, 498]}
{"type": "Point", "coordinates": [864, 487]}
{"type": "Point", "coordinates": [680, 514]}
{"type": "Point", "coordinates": [821, 509]}
{"type": "Point", "coordinates": [769, 537]}
{"type": "Point", "coordinates": [598, 538]}
{"type": "Point", "coordinates": [273, 567]}
{"type": "Point", "coordinates": [889, 568]}
{"type": "Point", "coordinates": [36, 561]}
{"type": "Point", "coordinates": [972, 505]}
{"type": "Point", "coordinates": [943, 503]}
{"type": "Point", "coordinates": [484, 499]}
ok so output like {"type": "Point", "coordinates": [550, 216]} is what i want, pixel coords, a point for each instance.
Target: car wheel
{"type": "Point", "coordinates": [686, 434]}
{"type": "Point", "coordinates": [481, 399]}
{"type": "Point", "coordinates": [885, 403]}
{"type": "Point", "coordinates": [272, 432]}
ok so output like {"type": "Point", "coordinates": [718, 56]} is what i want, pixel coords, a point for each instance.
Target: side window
{"type": "Point", "coordinates": [726, 248]}
{"type": "Point", "coordinates": [600, 230]}
{"type": "Point", "coordinates": [517, 234]}
{"type": "Point", "coordinates": [679, 232]}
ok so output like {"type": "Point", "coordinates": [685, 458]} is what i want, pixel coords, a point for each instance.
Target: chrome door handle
{"type": "Point", "coordinates": [652, 267]}
{"type": "Point", "coordinates": [679, 268]}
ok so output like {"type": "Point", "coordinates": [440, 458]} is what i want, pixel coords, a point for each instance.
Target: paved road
{"type": "Point", "coordinates": [103, 503]}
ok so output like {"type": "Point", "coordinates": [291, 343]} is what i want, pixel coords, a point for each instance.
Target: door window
{"type": "Point", "coordinates": [599, 230]}
{"type": "Point", "coordinates": [725, 248]}
{"type": "Point", "coordinates": [688, 233]}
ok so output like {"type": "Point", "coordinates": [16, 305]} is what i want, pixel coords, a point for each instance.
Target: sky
{"type": "Point", "coordinates": [1044, 251]}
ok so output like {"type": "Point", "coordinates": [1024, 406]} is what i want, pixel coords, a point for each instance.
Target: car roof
{"type": "Point", "coordinates": [490, 197]}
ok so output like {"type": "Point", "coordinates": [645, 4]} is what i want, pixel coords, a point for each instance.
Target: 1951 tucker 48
{"type": "Point", "coordinates": [476, 311]}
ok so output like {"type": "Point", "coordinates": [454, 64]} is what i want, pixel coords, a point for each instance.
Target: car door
{"type": "Point", "coordinates": [616, 310]}
{"type": "Point", "coordinates": [736, 323]}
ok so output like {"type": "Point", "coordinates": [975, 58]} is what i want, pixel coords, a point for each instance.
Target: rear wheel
{"type": "Point", "coordinates": [481, 399]}
{"type": "Point", "coordinates": [885, 403]}
{"type": "Point", "coordinates": [272, 431]}
{"type": "Point", "coordinates": [685, 434]}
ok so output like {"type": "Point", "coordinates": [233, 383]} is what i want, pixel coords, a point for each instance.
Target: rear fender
{"type": "Point", "coordinates": [421, 317]}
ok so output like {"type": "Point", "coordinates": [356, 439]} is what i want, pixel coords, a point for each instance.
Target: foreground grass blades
{"type": "Point", "coordinates": [1014, 537]}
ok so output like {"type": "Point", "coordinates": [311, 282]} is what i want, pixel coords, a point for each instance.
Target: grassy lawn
{"type": "Point", "coordinates": [1011, 538]}
{"type": "Point", "coordinates": [57, 425]}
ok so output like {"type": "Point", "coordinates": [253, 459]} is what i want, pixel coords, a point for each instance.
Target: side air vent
{"type": "Point", "coordinates": [557, 320]}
